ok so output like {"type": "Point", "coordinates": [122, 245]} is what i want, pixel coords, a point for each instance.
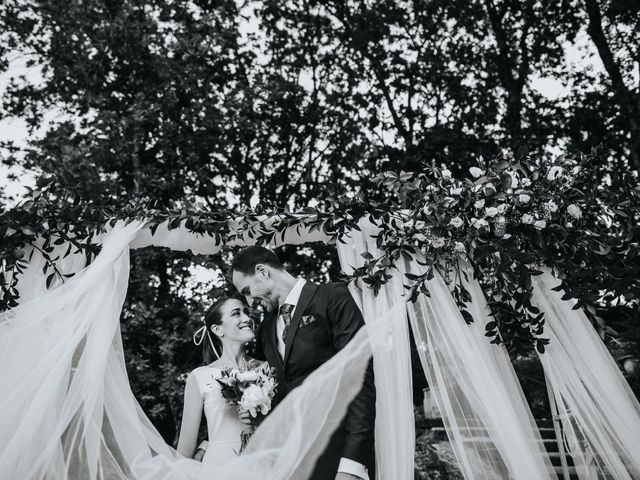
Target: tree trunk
{"type": "Point", "coordinates": [511, 73]}
{"type": "Point", "coordinates": [628, 101]}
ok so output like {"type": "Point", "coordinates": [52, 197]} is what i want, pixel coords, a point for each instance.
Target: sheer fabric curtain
{"type": "Point", "coordinates": [485, 413]}
{"type": "Point", "coordinates": [599, 412]}
{"type": "Point", "coordinates": [395, 426]}
{"type": "Point", "coordinates": [67, 410]}
{"type": "Point", "coordinates": [486, 416]}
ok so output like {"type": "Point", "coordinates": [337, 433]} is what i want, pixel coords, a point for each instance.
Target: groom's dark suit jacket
{"type": "Point", "coordinates": [337, 318]}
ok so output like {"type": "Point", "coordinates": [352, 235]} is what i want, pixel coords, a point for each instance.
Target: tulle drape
{"type": "Point", "coordinates": [600, 414]}
{"type": "Point", "coordinates": [487, 419]}
{"type": "Point", "coordinates": [486, 416]}
{"type": "Point", "coordinates": [395, 425]}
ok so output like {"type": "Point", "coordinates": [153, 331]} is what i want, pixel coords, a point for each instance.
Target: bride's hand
{"type": "Point", "coordinates": [245, 418]}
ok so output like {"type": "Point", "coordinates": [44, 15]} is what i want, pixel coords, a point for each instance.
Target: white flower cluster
{"type": "Point", "coordinates": [498, 198]}
{"type": "Point", "coordinates": [256, 386]}
{"type": "Point", "coordinates": [258, 394]}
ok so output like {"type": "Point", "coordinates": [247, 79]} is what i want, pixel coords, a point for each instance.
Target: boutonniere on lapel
{"type": "Point", "coordinates": [306, 320]}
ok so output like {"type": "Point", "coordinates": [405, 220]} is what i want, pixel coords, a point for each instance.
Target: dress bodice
{"type": "Point", "coordinates": [223, 425]}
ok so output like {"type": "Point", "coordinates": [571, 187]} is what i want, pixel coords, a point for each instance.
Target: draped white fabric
{"type": "Point", "coordinates": [486, 416]}
{"type": "Point", "coordinates": [395, 425]}
{"type": "Point", "coordinates": [485, 413]}
{"type": "Point", "coordinates": [67, 410]}
{"type": "Point", "coordinates": [180, 239]}
{"type": "Point", "coordinates": [599, 412]}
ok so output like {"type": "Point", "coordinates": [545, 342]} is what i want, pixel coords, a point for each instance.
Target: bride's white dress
{"type": "Point", "coordinates": [223, 426]}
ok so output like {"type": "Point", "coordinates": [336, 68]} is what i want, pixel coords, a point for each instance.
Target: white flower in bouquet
{"type": "Point", "coordinates": [455, 191]}
{"type": "Point", "coordinates": [427, 209]}
{"type": "Point", "coordinates": [554, 172]}
{"type": "Point", "coordinates": [479, 223]}
{"type": "Point", "coordinates": [438, 242]}
{"type": "Point", "coordinates": [479, 204]}
{"type": "Point", "coordinates": [524, 198]}
{"type": "Point", "coordinates": [552, 206]}
{"type": "Point", "coordinates": [268, 386]}
{"type": "Point", "coordinates": [569, 225]}
{"type": "Point", "coordinates": [456, 222]}
{"type": "Point", "coordinates": [459, 247]}
{"type": "Point", "coordinates": [249, 376]}
{"type": "Point", "coordinates": [502, 208]}
{"type": "Point", "coordinates": [527, 219]}
{"type": "Point", "coordinates": [525, 183]}
{"type": "Point", "coordinates": [446, 174]}
{"type": "Point", "coordinates": [539, 224]}
{"type": "Point", "coordinates": [254, 400]}
{"type": "Point", "coordinates": [574, 211]}
{"type": "Point", "coordinates": [420, 225]}
{"type": "Point", "coordinates": [476, 172]}
{"type": "Point", "coordinates": [491, 212]}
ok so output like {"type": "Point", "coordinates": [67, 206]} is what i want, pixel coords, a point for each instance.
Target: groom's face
{"type": "Point", "coordinates": [257, 288]}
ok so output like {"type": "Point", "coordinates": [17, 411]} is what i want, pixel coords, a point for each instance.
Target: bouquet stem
{"type": "Point", "coordinates": [245, 435]}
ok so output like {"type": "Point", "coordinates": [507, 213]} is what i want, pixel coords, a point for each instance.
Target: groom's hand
{"type": "Point", "coordinates": [346, 476]}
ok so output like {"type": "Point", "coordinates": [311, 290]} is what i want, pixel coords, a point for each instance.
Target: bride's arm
{"type": "Point", "coordinates": [191, 415]}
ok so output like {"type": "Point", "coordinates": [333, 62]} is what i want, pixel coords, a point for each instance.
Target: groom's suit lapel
{"type": "Point", "coordinates": [274, 358]}
{"type": "Point", "coordinates": [308, 291]}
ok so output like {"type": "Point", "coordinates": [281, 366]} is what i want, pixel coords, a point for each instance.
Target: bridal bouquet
{"type": "Point", "coordinates": [250, 389]}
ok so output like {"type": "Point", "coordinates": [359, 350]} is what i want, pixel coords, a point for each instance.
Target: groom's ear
{"type": "Point", "coordinates": [262, 270]}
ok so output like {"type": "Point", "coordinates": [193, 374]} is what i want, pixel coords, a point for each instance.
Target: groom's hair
{"type": "Point", "coordinates": [245, 262]}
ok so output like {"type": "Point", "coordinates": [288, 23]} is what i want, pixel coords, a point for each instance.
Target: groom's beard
{"type": "Point", "coordinates": [267, 306]}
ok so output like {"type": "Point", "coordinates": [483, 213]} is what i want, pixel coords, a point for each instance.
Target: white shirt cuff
{"type": "Point", "coordinates": [353, 468]}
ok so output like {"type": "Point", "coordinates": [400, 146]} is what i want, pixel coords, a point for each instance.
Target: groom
{"type": "Point", "coordinates": [304, 326]}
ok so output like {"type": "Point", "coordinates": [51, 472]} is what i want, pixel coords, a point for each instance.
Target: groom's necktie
{"type": "Point", "coordinates": [285, 313]}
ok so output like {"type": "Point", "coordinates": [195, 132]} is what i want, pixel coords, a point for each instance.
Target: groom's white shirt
{"type": "Point", "coordinates": [346, 465]}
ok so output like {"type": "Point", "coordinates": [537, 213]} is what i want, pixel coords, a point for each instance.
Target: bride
{"type": "Point", "coordinates": [228, 325]}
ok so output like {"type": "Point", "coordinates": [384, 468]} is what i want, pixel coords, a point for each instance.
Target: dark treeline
{"type": "Point", "coordinates": [292, 103]}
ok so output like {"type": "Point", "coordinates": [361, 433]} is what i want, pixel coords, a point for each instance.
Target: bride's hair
{"type": "Point", "coordinates": [211, 345]}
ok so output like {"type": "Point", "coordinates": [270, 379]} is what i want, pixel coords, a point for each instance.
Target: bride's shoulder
{"type": "Point", "coordinates": [203, 372]}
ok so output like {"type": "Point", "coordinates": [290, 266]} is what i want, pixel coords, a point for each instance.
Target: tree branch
{"type": "Point", "coordinates": [596, 32]}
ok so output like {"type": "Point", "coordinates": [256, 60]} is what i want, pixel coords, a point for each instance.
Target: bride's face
{"type": "Point", "coordinates": [236, 326]}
